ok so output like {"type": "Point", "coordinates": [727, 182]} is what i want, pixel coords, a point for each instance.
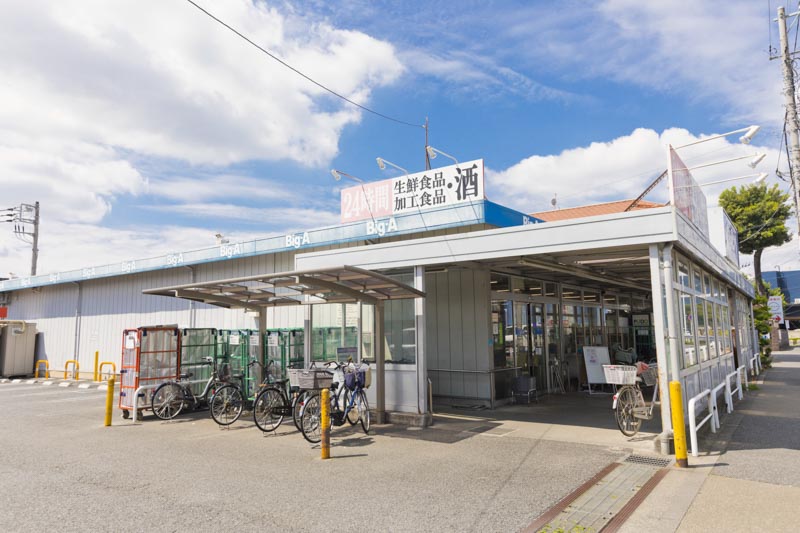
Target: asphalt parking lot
{"type": "Point", "coordinates": [62, 469]}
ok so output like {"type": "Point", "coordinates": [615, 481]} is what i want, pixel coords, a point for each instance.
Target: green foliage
{"type": "Point", "coordinates": [761, 313]}
{"type": "Point", "coordinates": [759, 213]}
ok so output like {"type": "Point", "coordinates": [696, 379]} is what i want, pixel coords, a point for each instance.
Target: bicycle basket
{"type": "Point", "coordinates": [314, 379]}
{"type": "Point", "coordinates": [294, 376]}
{"type": "Point", "coordinates": [366, 371]}
{"type": "Point", "coordinates": [620, 374]}
{"type": "Point", "coordinates": [650, 376]}
{"type": "Point", "coordinates": [351, 380]}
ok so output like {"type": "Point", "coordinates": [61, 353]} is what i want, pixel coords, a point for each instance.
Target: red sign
{"type": "Point", "coordinates": [3, 312]}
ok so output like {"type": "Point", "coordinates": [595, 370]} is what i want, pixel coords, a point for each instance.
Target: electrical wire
{"type": "Point", "coordinates": [290, 67]}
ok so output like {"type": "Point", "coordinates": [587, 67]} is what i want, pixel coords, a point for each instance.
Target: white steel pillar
{"type": "Point", "coordinates": [307, 335]}
{"type": "Point", "coordinates": [380, 365]}
{"type": "Point", "coordinates": [419, 326]}
{"type": "Point", "coordinates": [660, 331]}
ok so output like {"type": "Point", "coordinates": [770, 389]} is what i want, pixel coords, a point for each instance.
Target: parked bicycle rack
{"type": "Point", "coordinates": [75, 369]}
{"type": "Point", "coordinates": [197, 345]}
{"type": "Point", "coordinates": [46, 364]}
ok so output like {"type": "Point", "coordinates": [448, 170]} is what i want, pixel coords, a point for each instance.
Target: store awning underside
{"type": "Point", "coordinates": [345, 284]}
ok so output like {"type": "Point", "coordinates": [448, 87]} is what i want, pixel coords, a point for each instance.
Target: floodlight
{"type": "Point", "coordinates": [381, 164]}
{"type": "Point", "coordinates": [751, 132]}
{"type": "Point", "coordinates": [756, 160]}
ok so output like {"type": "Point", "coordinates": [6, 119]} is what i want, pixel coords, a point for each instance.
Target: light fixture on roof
{"type": "Point", "coordinates": [337, 175]}
{"type": "Point", "coordinates": [756, 160]}
{"type": "Point", "coordinates": [383, 162]}
{"type": "Point", "coordinates": [433, 151]}
{"type": "Point", "coordinates": [749, 133]}
{"type": "Point", "coordinates": [759, 179]}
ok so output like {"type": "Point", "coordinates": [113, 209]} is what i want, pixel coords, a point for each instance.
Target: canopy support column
{"type": "Point", "coordinates": [380, 365]}
{"type": "Point", "coordinates": [659, 321]}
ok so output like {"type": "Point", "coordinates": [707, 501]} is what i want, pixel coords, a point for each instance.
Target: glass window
{"type": "Point", "coordinates": [698, 282]}
{"type": "Point", "coordinates": [713, 349]}
{"type": "Point", "coordinates": [533, 287]}
{"type": "Point", "coordinates": [502, 333]}
{"type": "Point", "coordinates": [687, 325]}
{"type": "Point", "coordinates": [499, 282]}
{"type": "Point", "coordinates": [702, 338]}
{"type": "Point", "coordinates": [707, 285]}
{"type": "Point", "coordinates": [517, 284]}
{"type": "Point", "coordinates": [569, 293]}
{"type": "Point", "coordinates": [715, 292]}
{"type": "Point", "coordinates": [521, 338]}
{"type": "Point", "coordinates": [399, 326]}
{"type": "Point", "coordinates": [683, 273]}
{"type": "Point", "coordinates": [550, 290]}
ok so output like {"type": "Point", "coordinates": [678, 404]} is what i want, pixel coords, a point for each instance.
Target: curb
{"type": "Point", "coordinates": [61, 383]}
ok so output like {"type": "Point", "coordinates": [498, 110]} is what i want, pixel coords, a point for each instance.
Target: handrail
{"type": "Point", "coordinates": [729, 391]}
{"type": "Point", "coordinates": [46, 364]}
{"type": "Point", "coordinates": [76, 368]}
{"type": "Point", "coordinates": [693, 424]}
{"type": "Point", "coordinates": [742, 371]}
{"type": "Point", "coordinates": [714, 393]}
{"type": "Point", "coordinates": [100, 369]}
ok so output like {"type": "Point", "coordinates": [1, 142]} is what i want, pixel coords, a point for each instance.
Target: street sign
{"type": "Point", "coordinates": [775, 305]}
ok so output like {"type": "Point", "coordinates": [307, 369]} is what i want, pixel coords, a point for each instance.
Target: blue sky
{"type": "Point", "coordinates": [146, 128]}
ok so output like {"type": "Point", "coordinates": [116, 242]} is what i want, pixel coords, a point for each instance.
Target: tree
{"type": "Point", "coordinates": [759, 214]}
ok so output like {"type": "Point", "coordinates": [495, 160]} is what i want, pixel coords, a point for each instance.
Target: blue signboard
{"type": "Point", "coordinates": [477, 212]}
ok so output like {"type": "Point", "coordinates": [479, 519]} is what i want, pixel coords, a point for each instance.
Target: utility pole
{"type": "Point", "coordinates": [427, 157]}
{"type": "Point", "coordinates": [21, 217]}
{"type": "Point", "coordinates": [791, 110]}
{"type": "Point", "coordinates": [35, 251]}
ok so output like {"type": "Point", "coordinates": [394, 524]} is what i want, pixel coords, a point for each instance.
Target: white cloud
{"type": "Point", "coordinates": [619, 169]}
{"type": "Point", "coordinates": [163, 79]}
{"type": "Point", "coordinates": [209, 187]}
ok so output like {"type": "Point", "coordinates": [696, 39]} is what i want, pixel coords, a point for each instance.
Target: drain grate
{"type": "Point", "coordinates": [645, 460]}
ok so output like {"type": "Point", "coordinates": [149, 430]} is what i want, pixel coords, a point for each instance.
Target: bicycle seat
{"type": "Point", "coordinates": [187, 375]}
{"type": "Point", "coordinates": [281, 381]}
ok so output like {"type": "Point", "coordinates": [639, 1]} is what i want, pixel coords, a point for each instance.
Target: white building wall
{"type": "Point", "coordinates": [457, 333]}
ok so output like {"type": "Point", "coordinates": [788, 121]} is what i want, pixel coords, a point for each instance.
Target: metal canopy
{"type": "Point", "coordinates": [345, 284]}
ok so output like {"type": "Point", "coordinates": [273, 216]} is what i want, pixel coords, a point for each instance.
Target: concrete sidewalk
{"type": "Point", "coordinates": [748, 479]}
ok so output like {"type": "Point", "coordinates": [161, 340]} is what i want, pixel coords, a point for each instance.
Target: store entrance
{"type": "Point", "coordinates": [525, 337]}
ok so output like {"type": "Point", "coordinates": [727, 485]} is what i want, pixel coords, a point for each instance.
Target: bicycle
{"type": "Point", "coordinates": [356, 407]}
{"type": "Point", "coordinates": [227, 403]}
{"type": "Point", "coordinates": [629, 405]}
{"type": "Point", "coordinates": [171, 397]}
{"type": "Point", "coordinates": [272, 404]}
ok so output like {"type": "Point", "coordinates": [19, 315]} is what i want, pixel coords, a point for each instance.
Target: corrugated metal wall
{"type": "Point", "coordinates": [110, 305]}
{"type": "Point", "coordinates": [457, 333]}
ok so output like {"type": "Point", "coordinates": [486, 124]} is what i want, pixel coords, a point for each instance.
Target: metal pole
{"type": "Point", "coordinates": [791, 108]}
{"type": "Point", "coordinates": [380, 365]}
{"type": "Point", "coordinates": [419, 342]}
{"type": "Point", "coordinates": [659, 319]}
{"type": "Point", "coordinates": [35, 252]}
{"type": "Point", "coordinates": [109, 402]}
{"type": "Point", "coordinates": [427, 156]}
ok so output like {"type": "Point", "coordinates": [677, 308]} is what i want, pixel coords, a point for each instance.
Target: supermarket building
{"type": "Point", "coordinates": [472, 294]}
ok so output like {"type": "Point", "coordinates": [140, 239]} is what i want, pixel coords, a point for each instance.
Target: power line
{"type": "Point", "coordinates": [287, 65]}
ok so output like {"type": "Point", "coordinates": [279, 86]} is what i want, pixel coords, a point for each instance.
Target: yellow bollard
{"type": "Point", "coordinates": [109, 401]}
{"type": "Point", "coordinates": [76, 369]}
{"type": "Point", "coordinates": [46, 364]}
{"type": "Point", "coordinates": [325, 424]}
{"type": "Point", "coordinates": [96, 369]}
{"type": "Point", "coordinates": [678, 425]}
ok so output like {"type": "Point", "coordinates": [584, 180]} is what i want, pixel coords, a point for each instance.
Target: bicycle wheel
{"type": "Point", "coordinates": [268, 404]}
{"type": "Point", "coordinates": [310, 421]}
{"type": "Point", "coordinates": [362, 407]}
{"type": "Point", "coordinates": [168, 401]}
{"type": "Point", "coordinates": [626, 402]}
{"type": "Point", "coordinates": [352, 414]}
{"type": "Point", "coordinates": [226, 405]}
{"type": "Point", "coordinates": [297, 408]}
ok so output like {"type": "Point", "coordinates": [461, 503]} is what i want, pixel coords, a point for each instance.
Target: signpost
{"type": "Point", "coordinates": [775, 305]}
